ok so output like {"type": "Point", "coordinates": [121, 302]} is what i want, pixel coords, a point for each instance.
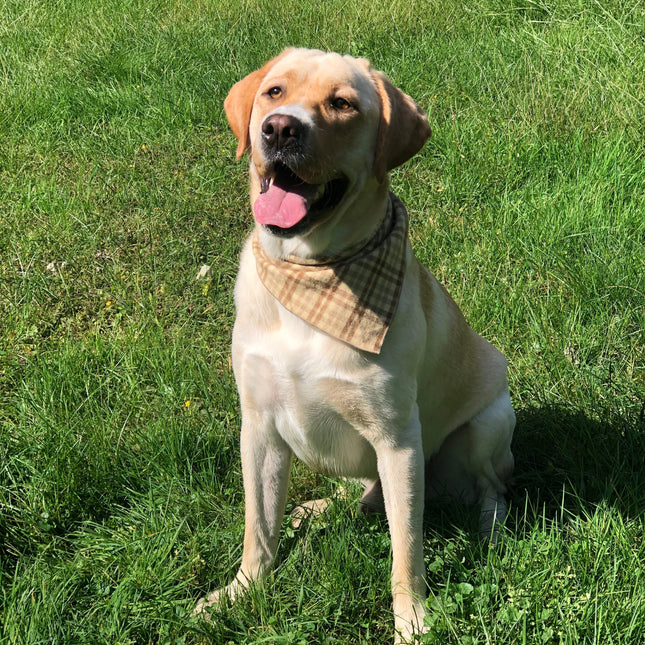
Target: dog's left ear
{"type": "Point", "coordinates": [239, 103]}
{"type": "Point", "coordinates": [403, 127]}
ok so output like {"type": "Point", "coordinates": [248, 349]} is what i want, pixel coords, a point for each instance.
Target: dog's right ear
{"type": "Point", "coordinates": [239, 103]}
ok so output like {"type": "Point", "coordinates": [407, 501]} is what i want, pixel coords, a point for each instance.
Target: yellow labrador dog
{"type": "Point", "coordinates": [346, 351]}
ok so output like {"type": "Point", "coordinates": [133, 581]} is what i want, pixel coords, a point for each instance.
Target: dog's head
{"type": "Point", "coordinates": [320, 129]}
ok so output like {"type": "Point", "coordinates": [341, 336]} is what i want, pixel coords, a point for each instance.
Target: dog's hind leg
{"type": "Point", "coordinates": [475, 462]}
{"type": "Point", "coordinates": [491, 461]}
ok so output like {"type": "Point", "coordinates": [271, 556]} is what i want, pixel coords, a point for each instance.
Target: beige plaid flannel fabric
{"type": "Point", "coordinates": [352, 299]}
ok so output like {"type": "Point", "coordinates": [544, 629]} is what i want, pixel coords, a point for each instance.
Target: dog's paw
{"type": "Point", "coordinates": [408, 636]}
{"type": "Point", "coordinates": [202, 606]}
{"type": "Point", "coordinates": [491, 517]}
{"type": "Point", "coordinates": [315, 508]}
{"type": "Point", "coordinates": [213, 599]}
{"type": "Point", "coordinates": [312, 509]}
{"type": "Point", "coordinates": [409, 621]}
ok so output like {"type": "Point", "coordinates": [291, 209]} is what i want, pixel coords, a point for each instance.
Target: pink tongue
{"type": "Point", "coordinates": [278, 207]}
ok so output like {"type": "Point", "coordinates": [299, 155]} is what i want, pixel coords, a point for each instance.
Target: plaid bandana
{"type": "Point", "coordinates": [353, 299]}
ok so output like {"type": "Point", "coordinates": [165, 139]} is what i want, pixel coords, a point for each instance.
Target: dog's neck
{"type": "Point", "coordinates": [333, 238]}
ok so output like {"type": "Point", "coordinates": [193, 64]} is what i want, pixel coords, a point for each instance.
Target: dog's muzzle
{"type": "Point", "coordinates": [288, 204]}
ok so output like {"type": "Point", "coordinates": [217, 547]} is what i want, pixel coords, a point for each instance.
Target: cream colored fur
{"type": "Point", "coordinates": [436, 394]}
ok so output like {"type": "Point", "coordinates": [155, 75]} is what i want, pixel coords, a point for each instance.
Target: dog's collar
{"type": "Point", "coordinates": [357, 249]}
{"type": "Point", "coordinates": [353, 298]}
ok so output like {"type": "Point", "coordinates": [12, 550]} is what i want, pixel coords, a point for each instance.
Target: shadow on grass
{"type": "Point", "coordinates": [568, 464]}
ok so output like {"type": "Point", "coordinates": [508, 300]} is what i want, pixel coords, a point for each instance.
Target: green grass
{"type": "Point", "coordinates": [120, 485]}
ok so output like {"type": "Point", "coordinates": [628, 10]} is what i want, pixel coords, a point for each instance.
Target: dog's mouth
{"type": "Point", "coordinates": [288, 205]}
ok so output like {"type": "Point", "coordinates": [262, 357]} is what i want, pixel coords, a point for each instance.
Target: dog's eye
{"type": "Point", "coordinates": [275, 92]}
{"type": "Point", "coordinates": [339, 103]}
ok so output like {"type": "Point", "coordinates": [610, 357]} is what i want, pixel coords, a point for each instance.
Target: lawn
{"type": "Point", "coordinates": [120, 483]}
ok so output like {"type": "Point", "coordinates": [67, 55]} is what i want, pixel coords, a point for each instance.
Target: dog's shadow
{"type": "Point", "coordinates": [566, 464]}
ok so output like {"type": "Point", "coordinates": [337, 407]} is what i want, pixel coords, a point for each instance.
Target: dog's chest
{"type": "Point", "coordinates": [311, 391]}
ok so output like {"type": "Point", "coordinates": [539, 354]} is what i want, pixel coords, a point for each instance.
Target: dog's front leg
{"type": "Point", "coordinates": [401, 469]}
{"type": "Point", "coordinates": [266, 461]}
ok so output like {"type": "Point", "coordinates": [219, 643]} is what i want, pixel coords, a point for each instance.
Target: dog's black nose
{"type": "Point", "coordinates": [281, 131]}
